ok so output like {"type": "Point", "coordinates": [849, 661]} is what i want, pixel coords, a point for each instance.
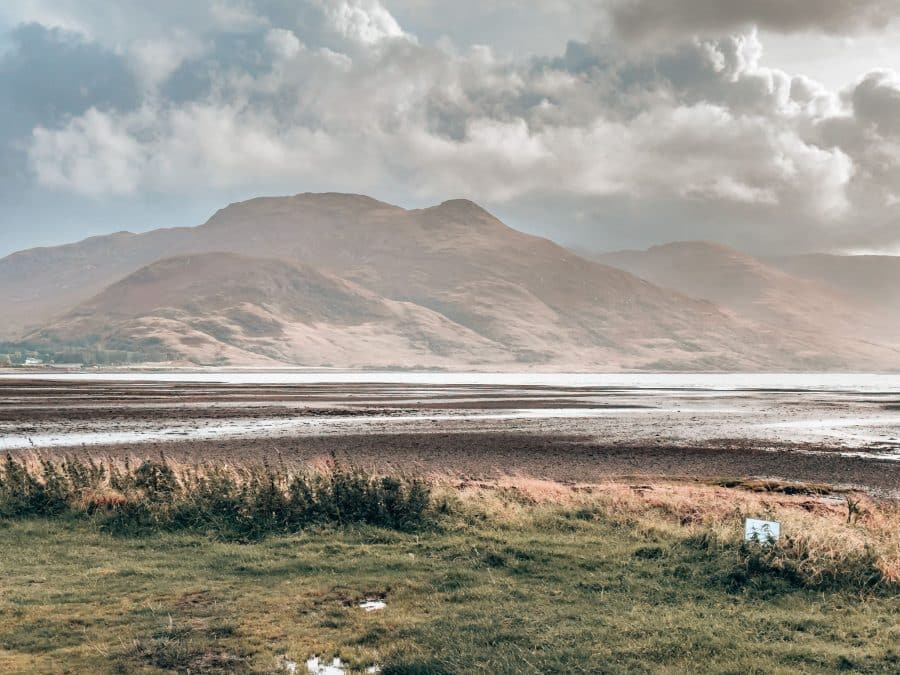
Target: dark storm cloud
{"type": "Point", "coordinates": [876, 103]}
{"type": "Point", "coordinates": [655, 18]}
{"type": "Point", "coordinates": [48, 76]}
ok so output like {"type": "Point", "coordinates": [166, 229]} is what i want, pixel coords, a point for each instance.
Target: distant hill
{"type": "Point", "coordinates": [871, 280]}
{"type": "Point", "coordinates": [801, 306]}
{"type": "Point", "coordinates": [346, 280]}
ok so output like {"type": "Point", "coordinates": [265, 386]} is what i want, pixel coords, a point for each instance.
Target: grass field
{"type": "Point", "coordinates": [516, 576]}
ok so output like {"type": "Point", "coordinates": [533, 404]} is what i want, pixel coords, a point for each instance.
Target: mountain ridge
{"type": "Point", "coordinates": [479, 292]}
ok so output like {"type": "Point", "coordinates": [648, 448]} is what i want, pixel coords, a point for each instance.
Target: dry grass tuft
{"type": "Point", "coordinates": [819, 528]}
{"type": "Point", "coordinates": [103, 498]}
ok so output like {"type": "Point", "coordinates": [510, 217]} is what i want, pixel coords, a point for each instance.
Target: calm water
{"type": "Point", "coordinates": [888, 383]}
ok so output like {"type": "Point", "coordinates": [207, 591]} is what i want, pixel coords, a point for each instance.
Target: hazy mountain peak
{"type": "Point", "coordinates": [293, 207]}
{"type": "Point", "coordinates": [459, 212]}
{"type": "Point", "coordinates": [697, 247]}
{"type": "Point", "coordinates": [462, 205]}
{"type": "Point", "coordinates": [87, 243]}
{"type": "Point", "coordinates": [338, 199]}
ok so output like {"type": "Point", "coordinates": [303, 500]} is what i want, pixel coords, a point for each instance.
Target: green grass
{"type": "Point", "coordinates": [557, 590]}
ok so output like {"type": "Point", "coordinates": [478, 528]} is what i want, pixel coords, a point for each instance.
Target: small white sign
{"type": "Point", "coordinates": [762, 531]}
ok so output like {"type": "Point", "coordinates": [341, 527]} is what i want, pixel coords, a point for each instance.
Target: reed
{"type": "Point", "coordinates": [244, 502]}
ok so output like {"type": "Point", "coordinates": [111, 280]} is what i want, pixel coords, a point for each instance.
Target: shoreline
{"type": "Point", "coordinates": [845, 438]}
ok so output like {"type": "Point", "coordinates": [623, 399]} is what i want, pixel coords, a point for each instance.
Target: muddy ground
{"type": "Point", "coordinates": [471, 432]}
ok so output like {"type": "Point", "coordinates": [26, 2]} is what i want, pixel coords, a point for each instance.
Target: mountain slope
{"type": "Point", "coordinates": [813, 313]}
{"type": "Point", "coordinates": [220, 307]}
{"type": "Point", "coordinates": [39, 284]}
{"type": "Point", "coordinates": [473, 291]}
{"type": "Point", "coordinates": [731, 279]}
{"type": "Point", "coordinates": [871, 280]}
{"type": "Point", "coordinates": [533, 296]}
{"type": "Point", "coordinates": [543, 304]}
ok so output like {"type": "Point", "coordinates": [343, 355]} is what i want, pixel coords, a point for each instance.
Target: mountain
{"type": "Point", "coordinates": [218, 308]}
{"type": "Point", "coordinates": [732, 280]}
{"type": "Point", "coordinates": [38, 284]}
{"type": "Point", "coordinates": [803, 307]}
{"type": "Point", "coordinates": [447, 286]}
{"type": "Point", "coordinates": [871, 280]}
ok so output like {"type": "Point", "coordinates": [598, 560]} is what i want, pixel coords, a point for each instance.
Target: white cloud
{"type": "Point", "coordinates": [234, 15]}
{"type": "Point", "coordinates": [283, 43]}
{"type": "Point", "coordinates": [348, 96]}
{"type": "Point", "coordinates": [693, 151]}
{"type": "Point", "coordinates": [94, 154]}
{"type": "Point", "coordinates": [47, 14]}
{"type": "Point", "coordinates": [156, 59]}
{"type": "Point", "coordinates": [365, 21]}
{"type": "Point", "coordinates": [869, 133]}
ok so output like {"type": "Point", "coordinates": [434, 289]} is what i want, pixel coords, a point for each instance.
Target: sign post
{"type": "Point", "coordinates": [764, 532]}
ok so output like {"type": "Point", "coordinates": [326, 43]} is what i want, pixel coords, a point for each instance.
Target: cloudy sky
{"type": "Point", "coordinates": [770, 125]}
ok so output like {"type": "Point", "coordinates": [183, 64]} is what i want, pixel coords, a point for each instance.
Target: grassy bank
{"type": "Point", "coordinates": [515, 576]}
{"type": "Point", "coordinates": [245, 502]}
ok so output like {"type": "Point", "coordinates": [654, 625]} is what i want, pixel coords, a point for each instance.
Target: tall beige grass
{"type": "Point", "coordinates": [824, 526]}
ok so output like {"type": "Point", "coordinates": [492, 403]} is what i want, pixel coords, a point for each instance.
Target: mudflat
{"type": "Point", "coordinates": [842, 436]}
